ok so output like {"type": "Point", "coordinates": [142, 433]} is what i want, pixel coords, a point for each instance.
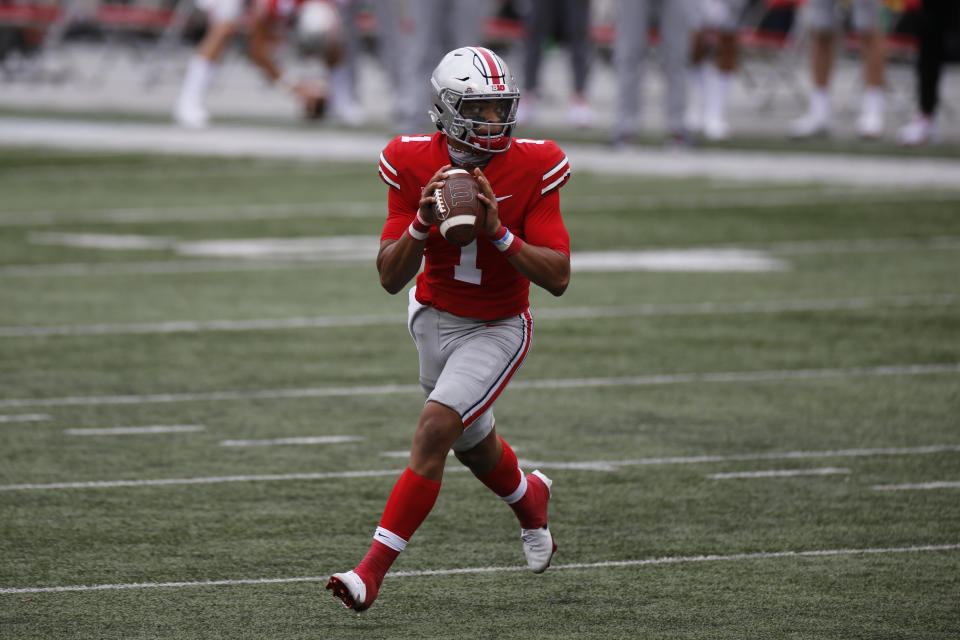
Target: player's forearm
{"type": "Point", "coordinates": [398, 262]}
{"type": "Point", "coordinates": [543, 267]}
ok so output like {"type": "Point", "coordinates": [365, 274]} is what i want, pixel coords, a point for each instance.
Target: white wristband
{"type": "Point", "coordinates": [417, 235]}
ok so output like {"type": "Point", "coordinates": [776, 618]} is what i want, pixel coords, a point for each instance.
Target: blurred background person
{"type": "Point", "coordinates": [571, 19]}
{"type": "Point", "coordinates": [939, 40]}
{"type": "Point", "coordinates": [823, 16]}
{"type": "Point", "coordinates": [673, 20]}
{"type": "Point", "coordinates": [428, 29]}
{"type": "Point", "coordinates": [716, 24]}
{"type": "Point", "coordinates": [319, 30]}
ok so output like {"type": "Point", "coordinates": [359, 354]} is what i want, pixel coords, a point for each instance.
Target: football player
{"type": "Point", "coordinates": [822, 15]}
{"type": "Point", "coordinates": [707, 108]}
{"type": "Point", "coordinates": [469, 311]}
{"type": "Point", "coordinates": [319, 31]}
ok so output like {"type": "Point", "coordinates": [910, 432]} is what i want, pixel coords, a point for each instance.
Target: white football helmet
{"type": "Point", "coordinates": [317, 27]}
{"type": "Point", "coordinates": [467, 76]}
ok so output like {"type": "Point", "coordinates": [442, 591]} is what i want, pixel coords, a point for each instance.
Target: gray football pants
{"type": "Point", "coordinates": [629, 53]}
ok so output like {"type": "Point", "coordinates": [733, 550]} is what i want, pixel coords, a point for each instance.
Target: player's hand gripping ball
{"type": "Point", "coordinates": [459, 213]}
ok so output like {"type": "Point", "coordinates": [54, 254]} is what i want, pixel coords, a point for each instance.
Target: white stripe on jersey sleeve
{"type": "Point", "coordinates": [556, 168]}
{"type": "Point", "coordinates": [556, 182]}
{"type": "Point", "coordinates": [383, 176]}
{"type": "Point", "coordinates": [387, 165]}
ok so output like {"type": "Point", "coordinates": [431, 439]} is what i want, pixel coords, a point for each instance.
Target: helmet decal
{"type": "Point", "coordinates": [486, 62]}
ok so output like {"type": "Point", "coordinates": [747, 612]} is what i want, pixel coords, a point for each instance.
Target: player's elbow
{"type": "Point", "coordinates": [560, 281]}
{"type": "Point", "coordinates": [558, 288]}
{"type": "Point", "coordinates": [391, 285]}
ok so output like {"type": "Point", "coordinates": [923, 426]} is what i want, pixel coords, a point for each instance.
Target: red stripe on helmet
{"type": "Point", "coordinates": [496, 75]}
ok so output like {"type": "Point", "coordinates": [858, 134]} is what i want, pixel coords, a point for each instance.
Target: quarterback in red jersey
{"type": "Point", "coordinates": [468, 313]}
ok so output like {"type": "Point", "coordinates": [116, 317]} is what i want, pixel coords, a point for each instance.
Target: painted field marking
{"type": "Point", "coordinates": [282, 441]}
{"type": "Point", "coordinates": [603, 465]}
{"type": "Point", "coordinates": [779, 473]}
{"type": "Point", "coordinates": [787, 455]}
{"type": "Point", "coordinates": [917, 486]}
{"type": "Point", "coordinates": [156, 268]}
{"type": "Point", "coordinates": [120, 431]}
{"type": "Point", "coordinates": [717, 199]}
{"type": "Point", "coordinates": [301, 258]}
{"type": "Point", "coordinates": [111, 484]}
{"type": "Point", "coordinates": [563, 313]}
{"type": "Point", "coordinates": [24, 417]}
{"type": "Point", "coordinates": [203, 213]}
{"type": "Point", "coordinates": [609, 564]}
{"type": "Point", "coordinates": [563, 383]}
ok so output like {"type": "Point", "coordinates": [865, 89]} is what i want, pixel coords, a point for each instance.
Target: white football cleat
{"type": "Point", "coordinates": [918, 131]}
{"type": "Point", "coordinates": [350, 589]}
{"type": "Point", "coordinates": [870, 124]}
{"type": "Point", "coordinates": [191, 116]}
{"type": "Point", "coordinates": [538, 544]}
{"type": "Point", "coordinates": [580, 114]}
{"type": "Point", "coordinates": [810, 125]}
{"type": "Point", "coordinates": [716, 129]}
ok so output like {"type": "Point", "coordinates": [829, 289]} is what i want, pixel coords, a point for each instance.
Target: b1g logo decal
{"type": "Point", "coordinates": [498, 87]}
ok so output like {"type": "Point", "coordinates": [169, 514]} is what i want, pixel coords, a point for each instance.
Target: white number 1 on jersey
{"type": "Point", "coordinates": [467, 270]}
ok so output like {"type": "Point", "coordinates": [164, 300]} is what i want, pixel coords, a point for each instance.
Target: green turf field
{"type": "Point", "coordinates": [822, 366]}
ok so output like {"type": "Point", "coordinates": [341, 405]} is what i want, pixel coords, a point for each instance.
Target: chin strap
{"type": "Point", "coordinates": [468, 159]}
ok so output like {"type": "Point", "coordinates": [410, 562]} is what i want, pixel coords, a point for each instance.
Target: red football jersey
{"type": "Point", "coordinates": [477, 281]}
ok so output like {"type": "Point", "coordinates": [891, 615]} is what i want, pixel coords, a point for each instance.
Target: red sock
{"type": "Point", "coordinates": [407, 507]}
{"type": "Point", "coordinates": [508, 482]}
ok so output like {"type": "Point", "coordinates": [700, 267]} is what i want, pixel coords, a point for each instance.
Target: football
{"type": "Point", "coordinates": [458, 211]}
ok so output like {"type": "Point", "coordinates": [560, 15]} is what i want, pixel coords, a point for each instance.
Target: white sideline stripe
{"type": "Point", "coordinates": [779, 473]}
{"type": "Point", "coordinates": [584, 466]}
{"type": "Point", "coordinates": [275, 211]}
{"type": "Point", "coordinates": [281, 441]}
{"type": "Point", "coordinates": [110, 484]}
{"type": "Point", "coordinates": [917, 486]}
{"type": "Point", "coordinates": [114, 431]}
{"type": "Point", "coordinates": [568, 383]}
{"type": "Point", "coordinates": [25, 417]}
{"type": "Point", "coordinates": [789, 455]}
{"type": "Point", "coordinates": [257, 324]}
{"type": "Point", "coordinates": [316, 260]}
{"type": "Point", "coordinates": [406, 453]}
{"type": "Point", "coordinates": [209, 213]}
{"type": "Point", "coordinates": [736, 557]}
{"type": "Point", "coordinates": [318, 322]}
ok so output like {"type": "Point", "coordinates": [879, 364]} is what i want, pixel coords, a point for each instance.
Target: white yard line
{"type": "Point", "coordinates": [317, 322]}
{"type": "Point", "coordinates": [160, 268]}
{"type": "Point", "coordinates": [285, 441]}
{"type": "Point", "coordinates": [563, 383]}
{"type": "Point", "coordinates": [200, 213]}
{"type": "Point", "coordinates": [607, 564]}
{"type": "Point", "coordinates": [24, 417]}
{"type": "Point", "coordinates": [917, 486]}
{"type": "Point", "coordinates": [779, 473]}
{"type": "Point", "coordinates": [654, 258]}
{"type": "Point", "coordinates": [741, 457]}
{"type": "Point", "coordinates": [610, 465]}
{"type": "Point", "coordinates": [124, 431]}
{"type": "Point", "coordinates": [164, 482]}
{"type": "Point", "coordinates": [376, 209]}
